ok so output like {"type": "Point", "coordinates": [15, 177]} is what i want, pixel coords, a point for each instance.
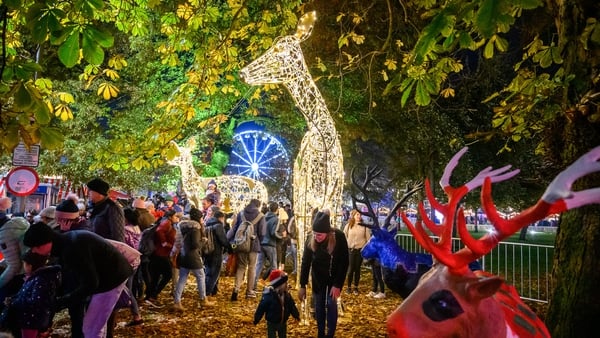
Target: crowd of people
{"type": "Point", "coordinates": [89, 260]}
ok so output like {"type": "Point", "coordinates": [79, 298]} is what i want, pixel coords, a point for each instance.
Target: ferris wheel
{"type": "Point", "coordinates": [258, 155]}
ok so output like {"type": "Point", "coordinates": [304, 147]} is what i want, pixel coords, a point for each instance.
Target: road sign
{"type": "Point", "coordinates": [26, 157]}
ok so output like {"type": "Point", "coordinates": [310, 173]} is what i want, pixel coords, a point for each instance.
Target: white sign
{"type": "Point", "coordinates": [24, 157]}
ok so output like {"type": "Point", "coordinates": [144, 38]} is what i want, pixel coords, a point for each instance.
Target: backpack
{"type": "Point", "coordinates": [209, 245]}
{"type": "Point", "coordinates": [242, 240]}
{"type": "Point", "coordinates": [147, 246]}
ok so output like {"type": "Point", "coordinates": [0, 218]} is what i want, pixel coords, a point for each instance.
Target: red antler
{"type": "Point", "coordinates": [557, 198]}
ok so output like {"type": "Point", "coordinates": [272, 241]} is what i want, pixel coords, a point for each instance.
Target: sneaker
{"type": "Point", "coordinates": [251, 294]}
{"type": "Point", "coordinates": [371, 294]}
{"type": "Point", "coordinates": [379, 295]}
{"type": "Point", "coordinates": [178, 307]}
{"type": "Point", "coordinates": [234, 297]}
{"type": "Point", "coordinates": [152, 303]}
{"type": "Point", "coordinates": [206, 303]}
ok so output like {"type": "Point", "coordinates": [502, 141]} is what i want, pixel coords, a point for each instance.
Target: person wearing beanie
{"type": "Point", "coordinates": [277, 305]}
{"type": "Point", "coordinates": [106, 218]}
{"type": "Point", "coordinates": [326, 259]}
{"type": "Point", "coordinates": [34, 304]}
{"type": "Point", "coordinates": [67, 215]}
{"type": "Point", "coordinates": [12, 231]}
{"type": "Point", "coordinates": [91, 267]}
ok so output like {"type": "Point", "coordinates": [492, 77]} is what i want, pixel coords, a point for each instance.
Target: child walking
{"type": "Point", "coordinates": [34, 304]}
{"type": "Point", "coordinates": [276, 305]}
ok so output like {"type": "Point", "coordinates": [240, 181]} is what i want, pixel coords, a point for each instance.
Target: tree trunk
{"type": "Point", "coordinates": [574, 307]}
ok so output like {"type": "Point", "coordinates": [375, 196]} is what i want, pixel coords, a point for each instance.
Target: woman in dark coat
{"type": "Point", "coordinates": [189, 246]}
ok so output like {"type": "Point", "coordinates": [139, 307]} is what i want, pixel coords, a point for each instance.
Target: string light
{"type": "Point", "coordinates": [318, 174]}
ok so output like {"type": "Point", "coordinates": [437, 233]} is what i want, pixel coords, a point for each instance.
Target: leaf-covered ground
{"type": "Point", "coordinates": [363, 316]}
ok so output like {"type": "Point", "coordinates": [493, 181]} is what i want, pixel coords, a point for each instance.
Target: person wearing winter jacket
{"type": "Point", "coordinates": [12, 231]}
{"type": "Point", "coordinates": [326, 259]}
{"type": "Point", "coordinates": [106, 219]}
{"type": "Point", "coordinates": [277, 305]}
{"type": "Point", "coordinates": [190, 258]}
{"type": "Point", "coordinates": [213, 262]}
{"type": "Point", "coordinates": [34, 305]}
{"type": "Point", "coordinates": [247, 260]}
{"type": "Point", "coordinates": [91, 267]}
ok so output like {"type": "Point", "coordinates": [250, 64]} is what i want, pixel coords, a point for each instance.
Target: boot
{"type": "Point", "coordinates": [234, 295]}
{"type": "Point", "coordinates": [178, 307]}
{"type": "Point", "coordinates": [206, 303]}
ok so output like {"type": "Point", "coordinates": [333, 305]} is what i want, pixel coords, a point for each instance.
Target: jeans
{"type": "Point", "coordinates": [354, 267]}
{"type": "Point", "coordinates": [293, 250]}
{"type": "Point", "coordinates": [268, 252]}
{"type": "Point", "coordinates": [378, 283]}
{"type": "Point", "coordinates": [326, 312]}
{"type": "Point", "coordinates": [212, 266]}
{"type": "Point", "coordinates": [100, 307]}
{"type": "Point", "coordinates": [135, 310]}
{"type": "Point", "coordinates": [246, 260]}
{"type": "Point", "coordinates": [160, 275]}
{"type": "Point", "coordinates": [183, 276]}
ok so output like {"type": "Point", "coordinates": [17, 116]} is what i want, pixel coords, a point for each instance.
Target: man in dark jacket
{"type": "Point", "coordinates": [247, 260]}
{"type": "Point", "coordinates": [107, 218]}
{"type": "Point", "coordinates": [91, 267]}
{"type": "Point", "coordinates": [213, 262]}
{"type": "Point", "coordinates": [326, 259]}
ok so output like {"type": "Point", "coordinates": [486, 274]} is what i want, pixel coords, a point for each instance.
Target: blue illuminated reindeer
{"type": "Point", "coordinates": [401, 269]}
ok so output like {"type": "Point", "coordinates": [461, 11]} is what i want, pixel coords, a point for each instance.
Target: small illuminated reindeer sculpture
{"type": "Point", "coordinates": [236, 190]}
{"type": "Point", "coordinates": [401, 269]}
{"type": "Point", "coordinates": [452, 301]}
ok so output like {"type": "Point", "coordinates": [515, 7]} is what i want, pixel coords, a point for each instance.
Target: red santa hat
{"type": "Point", "coordinates": [277, 277]}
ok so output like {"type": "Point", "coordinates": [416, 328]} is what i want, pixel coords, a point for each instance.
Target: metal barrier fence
{"type": "Point", "coordinates": [525, 266]}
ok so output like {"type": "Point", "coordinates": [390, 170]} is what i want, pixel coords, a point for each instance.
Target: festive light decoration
{"type": "Point", "coordinates": [318, 174]}
{"type": "Point", "coordinates": [236, 191]}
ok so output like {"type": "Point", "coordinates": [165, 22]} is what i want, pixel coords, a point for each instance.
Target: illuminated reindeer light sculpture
{"type": "Point", "coordinates": [236, 191]}
{"type": "Point", "coordinates": [452, 301]}
{"type": "Point", "coordinates": [318, 174]}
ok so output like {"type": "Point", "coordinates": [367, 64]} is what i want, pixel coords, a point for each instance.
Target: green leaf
{"type": "Point", "coordinates": [527, 4]}
{"type": "Point", "coordinates": [104, 39]}
{"type": "Point", "coordinates": [485, 19]}
{"type": "Point", "coordinates": [41, 113]}
{"type": "Point", "coordinates": [488, 51]}
{"type": "Point", "coordinates": [68, 52]}
{"type": "Point", "coordinates": [23, 100]}
{"type": "Point", "coordinates": [406, 95]}
{"type": "Point", "coordinates": [501, 44]}
{"type": "Point", "coordinates": [92, 52]}
{"type": "Point", "coordinates": [51, 138]}
{"type": "Point", "coordinates": [422, 97]}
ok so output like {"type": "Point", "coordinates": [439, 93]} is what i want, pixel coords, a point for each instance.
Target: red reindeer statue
{"type": "Point", "coordinates": [452, 301]}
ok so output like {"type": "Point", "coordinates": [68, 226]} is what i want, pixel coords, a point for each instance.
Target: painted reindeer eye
{"type": "Point", "coordinates": [441, 305]}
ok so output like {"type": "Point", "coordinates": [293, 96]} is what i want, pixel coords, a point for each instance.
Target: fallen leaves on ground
{"type": "Point", "coordinates": [363, 316]}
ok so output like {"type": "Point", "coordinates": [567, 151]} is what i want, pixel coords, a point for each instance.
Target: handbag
{"type": "Point", "coordinates": [231, 265]}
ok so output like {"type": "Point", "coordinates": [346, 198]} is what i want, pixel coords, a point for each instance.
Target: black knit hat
{"type": "Point", "coordinates": [99, 186]}
{"type": "Point", "coordinates": [38, 234]}
{"type": "Point", "coordinates": [68, 208]}
{"type": "Point", "coordinates": [321, 223]}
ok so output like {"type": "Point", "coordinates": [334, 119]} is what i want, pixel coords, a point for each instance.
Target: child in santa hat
{"type": "Point", "coordinates": [276, 305]}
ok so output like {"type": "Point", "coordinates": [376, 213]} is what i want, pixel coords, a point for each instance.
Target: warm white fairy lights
{"type": "Point", "coordinates": [318, 175]}
{"type": "Point", "coordinates": [236, 191]}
